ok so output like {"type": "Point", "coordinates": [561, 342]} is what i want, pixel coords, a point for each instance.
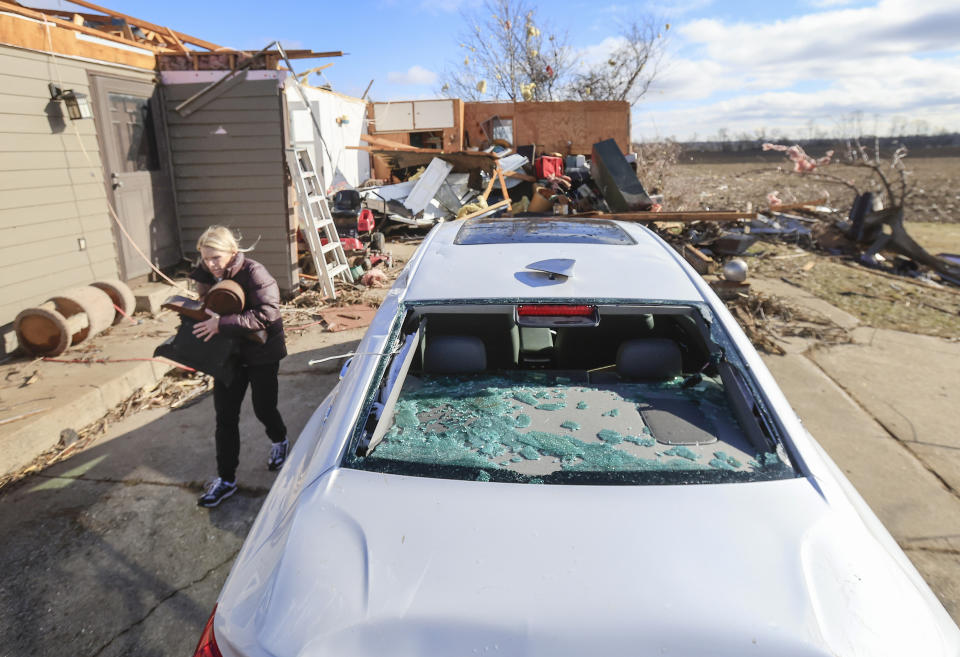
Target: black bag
{"type": "Point", "coordinates": [214, 357]}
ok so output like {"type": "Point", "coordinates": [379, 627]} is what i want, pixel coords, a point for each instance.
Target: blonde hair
{"type": "Point", "coordinates": [220, 238]}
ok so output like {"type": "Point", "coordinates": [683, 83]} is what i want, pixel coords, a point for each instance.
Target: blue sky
{"type": "Point", "coordinates": [742, 66]}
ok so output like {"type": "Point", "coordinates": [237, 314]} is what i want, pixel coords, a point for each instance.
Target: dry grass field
{"type": "Point", "coordinates": [693, 185]}
{"type": "Point", "coordinates": [932, 218]}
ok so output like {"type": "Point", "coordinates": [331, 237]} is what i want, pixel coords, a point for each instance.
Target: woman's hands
{"type": "Point", "coordinates": [208, 327]}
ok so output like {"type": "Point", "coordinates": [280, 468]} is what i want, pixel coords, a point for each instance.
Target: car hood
{"type": "Point", "coordinates": [374, 564]}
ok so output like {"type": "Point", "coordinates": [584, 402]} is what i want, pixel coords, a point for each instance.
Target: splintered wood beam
{"type": "Point", "coordinates": [152, 26]}
{"type": "Point", "coordinates": [176, 41]}
{"type": "Point", "coordinates": [520, 176]}
{"type": "Point", "coordinates": [682, 217]}
{"type": "Point", "coordinates": [496, 206]}
{"type": "Point", "coordinates": [23, 11]}
{"type": "Point", "coordinates": [489, 188]}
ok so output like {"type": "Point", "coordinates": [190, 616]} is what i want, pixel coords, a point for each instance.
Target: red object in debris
{"type": "Point", "coordinates": [553, 310]}
{"type": "Point", "coordinates": [351, 244]}
{"type": "Point", "coordinates": [365, 221]}
{"type": "Point", "coordinates": [547, 166]}
{"type": "Point", "coordinates": [207, 647]}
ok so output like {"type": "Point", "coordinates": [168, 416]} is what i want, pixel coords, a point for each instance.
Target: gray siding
{"type": "Point", "coordinates": [52, 191]}
{"type": "Point", "coordinates": [234, 179]}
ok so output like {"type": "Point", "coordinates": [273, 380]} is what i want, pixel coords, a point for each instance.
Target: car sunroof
{"type": "Point", "coordinates": [542, 230]}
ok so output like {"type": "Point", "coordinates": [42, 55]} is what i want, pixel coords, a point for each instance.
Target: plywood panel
{"type": "Point", "coordinates": [36, 36]}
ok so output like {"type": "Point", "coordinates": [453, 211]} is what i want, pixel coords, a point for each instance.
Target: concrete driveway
{"type": "Point", "coordinates": [107, 554]}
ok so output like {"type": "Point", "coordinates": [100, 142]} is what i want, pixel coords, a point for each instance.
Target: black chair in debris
{"type": "Point", "coordinates": [345, 211]}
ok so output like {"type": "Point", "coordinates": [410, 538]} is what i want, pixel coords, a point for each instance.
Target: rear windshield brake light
{"type": "Point", "coordinates": [556, 310]}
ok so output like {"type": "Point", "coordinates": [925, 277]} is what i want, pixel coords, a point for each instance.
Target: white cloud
{"type": "Point", "coordinates": [892, 57]}
{"type": "Point", "coordinates": [413, 75]}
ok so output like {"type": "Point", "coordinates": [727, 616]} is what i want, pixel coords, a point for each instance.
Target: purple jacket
{"type": "Point", "coordinates": [261, 310]}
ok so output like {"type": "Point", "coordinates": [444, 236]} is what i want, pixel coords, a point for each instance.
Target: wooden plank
{"type": "Point", "coordinates": [683, 217]}
{"type": "Point", "coordinates": [500, 204]}
{"type": "Point", "coordinates": [390, 144]}
{"type": "Point", "coordinates": [68, 25]}
{"type": "Point", "coordinates": [150, 26]}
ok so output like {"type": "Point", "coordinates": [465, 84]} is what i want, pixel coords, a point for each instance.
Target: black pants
{"type": "Point", "coordinates": [227, 400]}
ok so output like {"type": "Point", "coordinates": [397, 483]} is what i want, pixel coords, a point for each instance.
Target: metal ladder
{"type": "Point", "coordinates": [316, 217]}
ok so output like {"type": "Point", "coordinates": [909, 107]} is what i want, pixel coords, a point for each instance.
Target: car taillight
{"type": "Point", "coordinates": [207, 647]}
{"type": "Point", "coordinates": [556, 310]}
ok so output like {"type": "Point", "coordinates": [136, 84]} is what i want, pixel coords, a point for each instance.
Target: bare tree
{"type": "Point", "coordinates": [508, 55]}
{"type": "Point", "coordinates": [628, 71]}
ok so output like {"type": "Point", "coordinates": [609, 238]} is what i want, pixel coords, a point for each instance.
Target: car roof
{"type": "Point", "coordinates": [641, 267]}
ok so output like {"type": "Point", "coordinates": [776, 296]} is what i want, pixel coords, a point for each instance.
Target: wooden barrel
{"type": "Point", "coordinates": [120, 295]}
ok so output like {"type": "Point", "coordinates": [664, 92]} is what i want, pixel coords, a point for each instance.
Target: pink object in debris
{"type": "Point", "coordinates": [374, 278]}
{"type": "Point", "coordinates": [802, 163]}
{"type": "Point", "coordinates": [773, 199]}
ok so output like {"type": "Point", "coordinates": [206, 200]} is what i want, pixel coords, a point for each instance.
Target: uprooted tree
{"type": "Point", "coordinates": [883, 228]}
{"type": "Point", "coordinates": [509, 54]}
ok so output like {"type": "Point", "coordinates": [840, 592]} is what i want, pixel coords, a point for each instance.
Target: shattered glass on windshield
{"type": "Point", "coordinates": [539, 427]}
{"type": "Point", "coordinates": [542, 230]}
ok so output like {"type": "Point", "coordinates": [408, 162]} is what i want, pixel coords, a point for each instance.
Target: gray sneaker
{"type": "Point", "coordinates": [278, 455]}
{"type": "Point", "coordinates": [218, 491]}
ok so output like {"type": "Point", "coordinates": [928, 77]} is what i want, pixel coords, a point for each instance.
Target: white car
{"type": "Point", "coordinates": [555, 440]}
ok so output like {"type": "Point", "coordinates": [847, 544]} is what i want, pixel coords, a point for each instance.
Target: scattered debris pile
{"type": "Point", "coordinates": [428, 186]}
{"type": "Point", "coordinates": [766, 319]}
{"type": "Point", "coordinates": [177, 389]}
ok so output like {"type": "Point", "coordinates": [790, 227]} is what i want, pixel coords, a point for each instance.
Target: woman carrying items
{"type": "Point", "coordinates": [257, 364]}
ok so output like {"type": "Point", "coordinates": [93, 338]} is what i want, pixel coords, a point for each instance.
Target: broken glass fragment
{"type": "Point", "coordinates": [570, 424]}
{"type": "Point", "coordinates": [683, 452]}
{"type": "Point", "coordinates": [582, 405]}
{"type": "Point", "coordinates": [551, 407]}
{"type": "Point", "coordinates": [613, 412]}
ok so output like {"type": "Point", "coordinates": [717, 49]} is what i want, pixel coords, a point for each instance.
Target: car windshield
{"type": "Point", "coordinates": [534, 414]}
{"type": "Point", "coordinates": [542, 230]}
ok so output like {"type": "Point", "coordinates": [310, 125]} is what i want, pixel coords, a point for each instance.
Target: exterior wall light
{"type": "Point", "coordinates": [78, 105]}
